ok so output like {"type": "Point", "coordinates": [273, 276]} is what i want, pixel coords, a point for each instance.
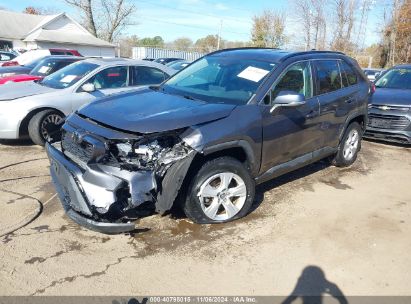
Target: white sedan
{"type": "Point", "coordinates": [38, 109]}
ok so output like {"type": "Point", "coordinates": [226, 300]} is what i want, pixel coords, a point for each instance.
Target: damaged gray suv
{"type": "Point", "coordinates": [205, 137]}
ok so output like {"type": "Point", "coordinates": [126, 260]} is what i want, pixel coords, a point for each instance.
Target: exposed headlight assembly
{"type": "Point", "coordinates": [150, 153]}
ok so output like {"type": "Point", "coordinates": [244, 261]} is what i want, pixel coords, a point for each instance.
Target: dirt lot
{"type": "Point", "coordinates": [351, 224]}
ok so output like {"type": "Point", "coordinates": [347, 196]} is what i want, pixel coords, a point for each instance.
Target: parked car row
{"type": "Point", "coordinates": [36, 70]}
{"type": "Point", "coordinates": [31, 56]}
{"type": "Point", "coordinates": [175, 63]}
{"type": "Point", "coordinates": [123, 134]}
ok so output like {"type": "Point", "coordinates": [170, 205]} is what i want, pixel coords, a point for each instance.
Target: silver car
{"type": "Point", "coordinates": [38, 109]}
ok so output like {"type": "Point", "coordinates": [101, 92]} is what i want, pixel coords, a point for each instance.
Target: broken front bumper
{"type": "Point", "coordinates": [76, 187]}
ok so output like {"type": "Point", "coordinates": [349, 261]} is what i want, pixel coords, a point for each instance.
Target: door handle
{"type": "Point", "coordinates": [349, 100]}
{"type": "Point", "coordinates": [311, 114]}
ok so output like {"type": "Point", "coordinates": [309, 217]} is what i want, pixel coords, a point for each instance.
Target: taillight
{"type": "Point", "coordinates": [373, 88]}
{"type": "Point", "coordinates": [9, 63]}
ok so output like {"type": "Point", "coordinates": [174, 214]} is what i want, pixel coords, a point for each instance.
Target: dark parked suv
{"type": "Point", "coordinates": [206, 136]}
{"type": "Point", "coordinates": [390, 107]}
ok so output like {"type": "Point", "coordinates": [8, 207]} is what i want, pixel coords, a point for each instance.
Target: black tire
{"type": "Point", "coordinates": [341, 159]}
{"type": "Point", "coordinates": [38, 125]}
{"type": "Point", "coordinates": [192, 205]}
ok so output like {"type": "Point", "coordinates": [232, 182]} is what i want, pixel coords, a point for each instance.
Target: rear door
{"type": "Point", "coordinates": [145, 75]}
{"type": "Point", "coordinates": [290, 132]}
{"type": "Point", "coordinates": [336, 98]}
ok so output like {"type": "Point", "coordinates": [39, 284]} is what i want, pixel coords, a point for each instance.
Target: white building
{"type": "Point", "coordinates": [29, 32]}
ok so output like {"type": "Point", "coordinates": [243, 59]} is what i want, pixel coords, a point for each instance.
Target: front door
{"type": "Point", "coordinates": [290, 132]}
{"type": "Point", "coordinates": [107, 82]}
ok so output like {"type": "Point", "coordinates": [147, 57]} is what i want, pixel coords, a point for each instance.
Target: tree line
{"type": "Point", "coordinates": [340, 25]}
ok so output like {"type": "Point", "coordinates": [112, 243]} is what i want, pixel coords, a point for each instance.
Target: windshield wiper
{"type": "Point", "coordinates": [154, 87]}
{"type": "Point", "coordinates": [189, 97]}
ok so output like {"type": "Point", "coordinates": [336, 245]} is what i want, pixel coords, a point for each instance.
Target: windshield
{"type": "Point", "coordinates": [395, 79]}
{"type": "Point", "coordinates": [218, 79]}
{"type": "Point", "coordinates": [69, 75]}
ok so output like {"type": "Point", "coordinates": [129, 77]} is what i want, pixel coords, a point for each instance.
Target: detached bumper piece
{"type": "Point", "coordinates": [67, 179]}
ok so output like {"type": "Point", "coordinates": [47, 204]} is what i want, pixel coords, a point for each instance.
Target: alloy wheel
{"type": "Point", "coordinates": [50, 126]}
{"type": "Point", "coordinates": [222, 196]}
{"type": "Point", "coordinates": [351, 144]}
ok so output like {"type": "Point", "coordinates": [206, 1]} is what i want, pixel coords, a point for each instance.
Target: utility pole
{"type": "Point", "coordinates": [219, 34]}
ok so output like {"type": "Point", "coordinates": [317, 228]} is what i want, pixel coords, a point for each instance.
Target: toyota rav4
{"type": "Point", "coordinates": [208, 135]}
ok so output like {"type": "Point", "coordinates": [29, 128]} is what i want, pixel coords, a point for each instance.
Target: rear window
{"type": "Point", "coordinates": [328, 76]}
{"type": "Point", "coordinates": [5, 57]}
{"type": "Point", "coordinates": [143, 75]}
{"type": "Point", "coordinates": [349, 76]}
{"type": "Point", "coordinates": [54, 52]}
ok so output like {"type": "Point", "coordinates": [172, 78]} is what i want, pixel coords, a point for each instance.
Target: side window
{"type": "Point", "coordinates": [328, 76]}
{"type": "Point", "coordinates": [60, 65]}
{"type": "Point", "coordinates": [349, 76]}
{"type": "Point", "coordinates": [4, 57]}
{"type": "Point", "coordinates": [297, 79]}
{"type": "Point", "coordinates": [111, 78]}
{"type": "Point", "coordinates": [143, 75]}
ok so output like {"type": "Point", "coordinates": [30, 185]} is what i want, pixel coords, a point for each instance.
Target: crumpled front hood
{"type": "Point", "coordinates": [393, 97]}
{"type": "Point", "coordinates": [17, 90]}
{"type": "Point", "coordinates": [148, 111]}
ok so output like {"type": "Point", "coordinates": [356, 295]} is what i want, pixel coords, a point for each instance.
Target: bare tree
{"type": "Point", "coordinates": [344, 16]}
{"type": "Point", "coordinates": [303, 11]}
{"type": "Point", "coordinates": [268, 29]}
{"type": "Point", "coordinates": [105, 18]}
{"type": "Point", "coordinates": [350, 20]}
{"type": "Point", "coordinates": [365, 7]}
{"type": "Point", "coordinates": [35, 10]}
{"type": "Point", "coordinates": [85, 7]}
{"type": "Point", "coordinates": [319, 24]}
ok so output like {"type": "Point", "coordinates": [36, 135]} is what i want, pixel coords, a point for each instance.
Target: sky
{"type": "Point", "coordinates": [198, 18]}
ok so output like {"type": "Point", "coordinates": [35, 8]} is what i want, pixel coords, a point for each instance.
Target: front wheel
{"type": "Point", "coordinates": [45, 127]}
{"type": "Point", "coordinates": [349, 146]}
{"type": "Point", "coordinates": [222, 191]}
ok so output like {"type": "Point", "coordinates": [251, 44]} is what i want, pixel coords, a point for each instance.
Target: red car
{"type": "Point", "coordinates": [45, 67]}
{"type": "Point", "coordinates": [31, 55]}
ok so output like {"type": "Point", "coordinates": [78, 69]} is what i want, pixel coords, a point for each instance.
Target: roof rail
{"type": "Point", "coordinates": [290, 52]}
{"type": "Point", "coordinates": [244, 48]}
{"type": "Point", "coordinates": [310, 52]}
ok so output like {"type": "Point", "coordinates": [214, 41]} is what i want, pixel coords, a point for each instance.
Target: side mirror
{"type": "Point", "coordinates": [88, 87]}
{"type": "Point", "coordinates": [288, 99]}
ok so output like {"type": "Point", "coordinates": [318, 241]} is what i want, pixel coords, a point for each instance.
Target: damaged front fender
{"type": "Point", "coordinates": [172, 182]}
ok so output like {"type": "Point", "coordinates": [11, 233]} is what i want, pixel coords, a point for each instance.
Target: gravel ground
{"type": "Point", "coordinates": [318, 227]}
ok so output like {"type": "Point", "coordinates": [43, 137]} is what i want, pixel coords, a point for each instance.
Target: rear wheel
{"type": "Point", "coordinates": [222, 191]}
{"type": "Point", "coordinates": [349, 146]}
{"type": "Point", "coordinates": [45, 127]}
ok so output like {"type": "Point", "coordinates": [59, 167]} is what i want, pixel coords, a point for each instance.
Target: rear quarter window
{"type": "Point", "coordinates": [144, 75]}
{"type": "Point", "coordinates": [348, 74]}
{"type": "Point", "coordinates": [328, 76]}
